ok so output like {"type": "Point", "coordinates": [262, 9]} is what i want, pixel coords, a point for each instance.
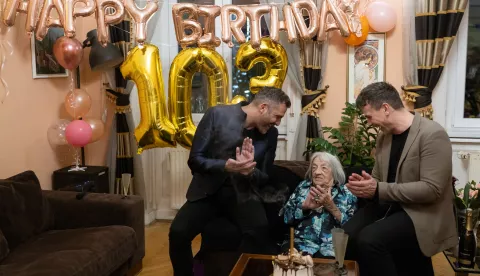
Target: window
{"type": "Point", "coordinates": [459, 86]}
{"type": "Point", "coordinates": [472, 79]}
{"type": "Point", "coordinates": [199, 82]}
{"type": "Point", "coordinates": [239, 81]}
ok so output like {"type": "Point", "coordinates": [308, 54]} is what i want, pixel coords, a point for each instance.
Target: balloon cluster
{"type": "Point", "coordinates": [333, 15]}
{"type": "Point", "coordinates": [379, 16]}
{"type": "Point", "coordinates": [39, 18]}
{"type": "Point", "coordinates": [79, 132]}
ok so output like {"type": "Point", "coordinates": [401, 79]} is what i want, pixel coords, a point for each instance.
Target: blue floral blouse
{"type": "Point", "coordinates": [313, 227]}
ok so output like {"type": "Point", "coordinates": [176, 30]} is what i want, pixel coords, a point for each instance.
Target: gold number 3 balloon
{"type": "Point", "coordinates": [188, 62]}
{"type": "Point", "coordinates": [272, 54]}
{"type": "Point", "coordinates": [143, 66]}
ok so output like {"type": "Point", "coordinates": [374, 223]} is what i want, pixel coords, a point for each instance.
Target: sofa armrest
{"type": "Point", "coordinates": [96, 209]}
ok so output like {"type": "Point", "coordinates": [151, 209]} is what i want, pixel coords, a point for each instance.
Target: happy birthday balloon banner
{"type": "Point", "coordinates": [39, 17]}
{"type": "Point", "coordinates": [330, 17]}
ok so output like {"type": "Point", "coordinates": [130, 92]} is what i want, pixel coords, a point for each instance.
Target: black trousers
{"type": "Point", "coordinates": [191, 219]}
{"type": "Point", "coordinates": [385, 243]}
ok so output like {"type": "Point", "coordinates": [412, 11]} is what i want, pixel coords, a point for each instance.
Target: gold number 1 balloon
{"type": "Point", "coordinates": [272, 54]}
{"type": "Point", "coordinates": [188, 62]}
{"type": "Point", "coordinates": [143, 66]}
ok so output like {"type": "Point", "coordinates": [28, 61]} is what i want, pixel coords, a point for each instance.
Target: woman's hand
{"type": "Point", "coordinates": [326, 198]}
{"type": "Point", "coordinates": [310, 202]}
{"type": "Point", "coordinates": [323, 195]}
{"type": "Point", "coordinates": [318, 197]}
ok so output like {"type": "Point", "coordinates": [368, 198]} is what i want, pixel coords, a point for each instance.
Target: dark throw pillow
{"type": "Point", "coordinates": [21, 208]}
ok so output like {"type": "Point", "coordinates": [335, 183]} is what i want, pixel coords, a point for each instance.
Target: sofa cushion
{"type": "Point", "coordinates": [23, 210]}
{"type": "Point", "coordinates": [297, 167]}
{"type": "Point", "coordinates": [89, 251]}
{"type": "Point", "coordinates": [3, 247]}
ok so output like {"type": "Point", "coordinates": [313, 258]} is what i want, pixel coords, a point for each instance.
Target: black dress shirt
{"type": "Point", "coordinates": [218, 134]}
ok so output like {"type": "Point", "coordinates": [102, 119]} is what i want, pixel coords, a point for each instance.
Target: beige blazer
{"type": "Point", "coordinates": [423, 183]}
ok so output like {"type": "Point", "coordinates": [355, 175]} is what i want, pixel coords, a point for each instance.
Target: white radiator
{"type": "Point", "coordinates": [179, 176]}
{"type": "Point", "coordinates": [474, 166]}
{"type": "Point", "coordinates": [470, 166]}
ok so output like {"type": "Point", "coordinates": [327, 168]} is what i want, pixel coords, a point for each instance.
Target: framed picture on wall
{"type": "Point", "coordinates": [366, 64]}
{"type": "Point", "coordinates": [44, 64]}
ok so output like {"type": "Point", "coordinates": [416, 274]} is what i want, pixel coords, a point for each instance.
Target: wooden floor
{"type": "Point", "coordinates": [157, 261]}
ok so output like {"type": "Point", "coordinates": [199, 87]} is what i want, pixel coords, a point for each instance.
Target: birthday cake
{"type": "Point", "coordinates": [294, 264]}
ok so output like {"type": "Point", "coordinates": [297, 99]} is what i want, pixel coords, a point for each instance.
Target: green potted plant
{"type": "Point", "coordinates": [467, 197]}
{"type": "Point", "coordinates": [353, 141]}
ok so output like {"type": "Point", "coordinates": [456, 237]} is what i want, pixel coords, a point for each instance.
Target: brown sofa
{"type": "Point", "coordinates": [50, 233]}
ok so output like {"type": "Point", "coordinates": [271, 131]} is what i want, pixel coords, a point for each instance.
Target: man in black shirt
{"type": "Point", "coordinates": [409, 217]}
{"type": "Point", "coordinates": [233, 148]}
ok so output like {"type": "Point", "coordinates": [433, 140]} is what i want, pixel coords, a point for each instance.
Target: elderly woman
{"type": "Point", "coordinates": [318, 204]}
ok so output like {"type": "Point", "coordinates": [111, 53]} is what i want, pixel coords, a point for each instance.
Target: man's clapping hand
{"type": "Point", "coordinates": [362, 186]}
{"type": "Point", "coordinates": [243, 163]}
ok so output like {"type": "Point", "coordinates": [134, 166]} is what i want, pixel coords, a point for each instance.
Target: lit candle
{"type": "Point", "coordinates": [291, 240]}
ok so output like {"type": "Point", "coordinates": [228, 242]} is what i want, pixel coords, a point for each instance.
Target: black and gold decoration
{"type": "Point", "coordinates": [436, 25]}
{"type": "Point", "coordinates": [311, 69]}
{"type": "Point", "coordinates": [120, 36]}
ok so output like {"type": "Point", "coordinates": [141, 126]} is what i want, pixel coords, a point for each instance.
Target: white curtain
{"type": "Point", "coordinates": [144, 163]}
{"type": "Point", "coordinates": [409, 44]}
{"type": "Point", "coordinates": [295, 76]}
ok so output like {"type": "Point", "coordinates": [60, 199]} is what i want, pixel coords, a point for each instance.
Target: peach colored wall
{"type": "Point", "coordinates": [34, 104]}
{"type": "Point", "coordinates": [336, 71]}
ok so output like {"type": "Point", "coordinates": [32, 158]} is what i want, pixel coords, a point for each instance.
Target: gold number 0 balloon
{"type": "Point", "coordinates": [188, 62]}
{"type": "Point", "coordinates": [272, 54]}
{"type": "Point", "coordinates": [143, 66]}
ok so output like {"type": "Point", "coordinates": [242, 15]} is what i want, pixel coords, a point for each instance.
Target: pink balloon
{"type": "Point", "coordinates": [78, 133]}
{"type": "Point", "coordinates": [381, 16]}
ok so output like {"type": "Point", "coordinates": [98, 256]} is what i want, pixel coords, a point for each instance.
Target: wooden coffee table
{"type": "Point", "coordinates": [261, 265]}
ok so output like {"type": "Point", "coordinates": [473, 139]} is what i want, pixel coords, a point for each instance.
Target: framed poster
{"type": "Point", "coordinates": [44, 64]}
{"type": "Point", "coordinates": [366, 64]}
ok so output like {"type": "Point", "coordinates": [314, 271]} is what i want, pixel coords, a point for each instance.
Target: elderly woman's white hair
{"type": "Point", "coordinates": [334, 163]}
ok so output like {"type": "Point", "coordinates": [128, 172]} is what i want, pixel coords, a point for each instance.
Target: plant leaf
{"type": "Point", "coordinates": [459, 203]}
{"type": "Point", "coordinates": [466, 194]}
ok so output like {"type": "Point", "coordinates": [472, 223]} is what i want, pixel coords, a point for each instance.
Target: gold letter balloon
{"type": "Point", "coordinates": [272, 54]}
{"type": "Point", "coordinates": [143, 66]}
{"type": "Point", "coordinates": [188, 62]}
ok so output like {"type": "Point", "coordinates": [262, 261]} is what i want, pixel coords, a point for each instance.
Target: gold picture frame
{"type": "Point", "coordinates": [365, 64]}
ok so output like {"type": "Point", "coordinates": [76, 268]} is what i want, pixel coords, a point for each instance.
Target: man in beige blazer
{"type": "Point", "coordinates": [409, 216]}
